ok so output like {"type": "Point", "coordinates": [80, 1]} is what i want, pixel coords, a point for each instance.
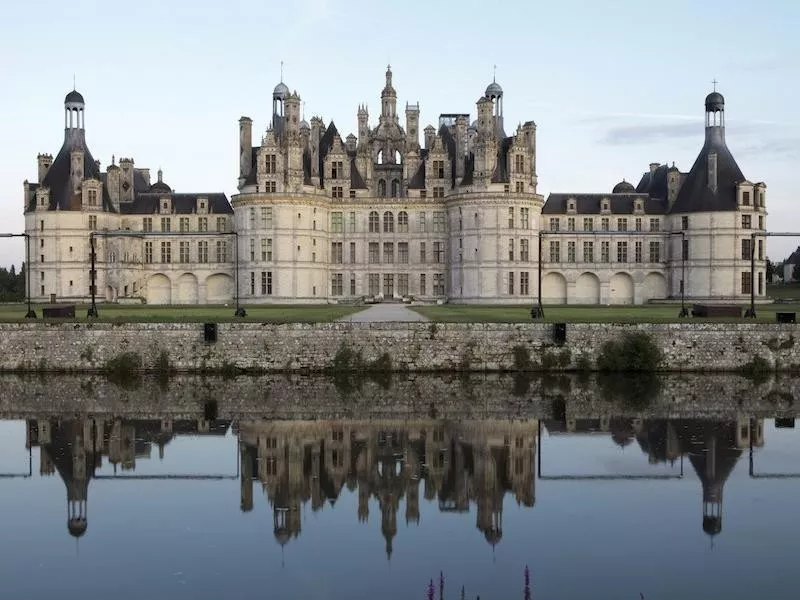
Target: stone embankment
{"type": "Point", "coordinates": [398, 347]}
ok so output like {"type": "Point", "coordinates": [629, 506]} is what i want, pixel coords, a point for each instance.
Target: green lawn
{"type": "Point", "coordinates": [660, 313]}
{"type": "Point", "coordinates": [784, 291]}
{"type": "Point", "coordinates": [311, 313]}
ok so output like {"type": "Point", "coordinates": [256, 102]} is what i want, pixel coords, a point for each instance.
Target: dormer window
{"type": "Point", "coordinates": [571, 206]}
{"type": "Point", "coordinates": [638, 206]}
{"type": "Point", "coordinates": [604, 206]}
{"type": "Point", "coordinates": [746, 198]}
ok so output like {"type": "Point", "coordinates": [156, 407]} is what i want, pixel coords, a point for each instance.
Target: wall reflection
{"type": "Point", "coordinates": [460, 466]}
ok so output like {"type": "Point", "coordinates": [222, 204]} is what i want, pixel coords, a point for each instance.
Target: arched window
{"type": "Point", "coordinates": [398, 158]}
{"type": "Point", "coordinates": [382, 188]}
{"type": "Point", "coordinates": [402, 222]}
{"type": "Point", "coordinates": [388, 222]}
{"type": "Point", "coordinates": [395, 188]}
{"type": "Point", "coordinates": [374, 222]}
{"type": "Point", "coordinates": [379, 158]}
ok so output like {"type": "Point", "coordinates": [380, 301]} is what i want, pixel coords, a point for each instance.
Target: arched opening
{"type": "Point", "coordinates": [621, 289]}
{"type": "Point", "coordinates": [554, 289]}
{"type": "Point", "coordinates": [654, 287]}
{"type": "Point", "coordinates": [395, 188]}
{"type": "Point", "coordinates": [159, 289]}
{"type": "Point", "coordinates": [398, 158]}
{"type": "Point", "coordinates": [388, 222]}
{"type": "Point", "coordinates": [587, 289]}
{"type": "Point", "coordinates": [187, 289]}
{"type": "Point", "coordinates": [382, 188]}
{"type": "Point", "coordinates": [219, 288]}
{"type": "Point", "coordinates": [374, 222]}
{"type": "Point", "coordinates": [379, 158]}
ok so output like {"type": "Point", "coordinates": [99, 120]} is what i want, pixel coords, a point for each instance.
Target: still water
{"type": "Point", "coordinates": [186, 495]}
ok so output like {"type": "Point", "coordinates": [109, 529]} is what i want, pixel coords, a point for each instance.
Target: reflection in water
{"type": "Point", "coordinates": [458, 463]}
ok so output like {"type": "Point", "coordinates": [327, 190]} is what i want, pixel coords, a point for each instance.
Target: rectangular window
{"type": "Point", "coordinates": [605, 252]}
{"type": "Point", "coordinates": [202, 252]}
{"type": "Point", "coordinates": [438, 222]}
{"type": "Point", "coordinates": [746, 198]}
{"type": "Point", "coordinates": [337, 222]}
{"type": "Point", "coordinates": [222, 224]}
{"type": "Point", "coordinates": [438, 169]}
{"type": "Point", "coordinates": [252, 284]}
{"type": "Point", "coordinates": [571, 252]}
{"type": "Point", "coordinates": [337, 253]}
{"type": "Point", "coordinates": [423, 194]}
{"type": "Point", "coordinates": [374, 284]}
{"type": "Point", "coordinates": [148, 252]}
{"type": "Point", "coordinates": [746, 221]}
{"type": "Point", "coordinates": [511, 283]}
{"type": "Point", "coordinates": [402, 222]}
{"type": "Point", "coordinates": [555, 251]}
{"type": "Point", "coordinates": [252, 250]}
{"type": "Point", "coordinates": [402, 284]}
{"type": "Point", "coordinates": [760, 222]}
{"type": "Point", "coordinates": [166, 224]}
{"type": "Point", "coordinates": [202, 224]}
{"type": "Point", "coordinates": [352, 252]}
{"type": "Point", "coordinates": [519, 163]}
{"type": "Point", "coordinates": [266, 249]}
{"type": "Point", "coordinates": [93, 222]}
{"type": "Point", "coordinates": [352, 224]}
{"type": "Point", "coordinates": [266, 283]}
{"type": "Point", "coordinates": [147, 224]}
{"type": "Point", "coordinates": [388, 285]}
{"type": "Point", "coordinates": [422, 287]}
{"type": "Point", "coordinates": [252, 226]}
{"type": "Point", "coordinates": [222, 251]}
{"type": "Point", "coordinates": [655, 252]}
{"type": "Point", "coordinates": [524, 283]}
{"type": "Point", "coordinates": [511, 217]}
{"type": "Point", "coordinates": [604, 224]}
{"type": "Point", "coordinates": [166, 252]}
{"type": "Point", "coordinates": [760, 249]}
{"type": "Point", "coordinates": [655, 224]}
{"type": "Point", "coordinates": [337, 170]}
{"type": "Point", "coordinates": [524, 217]}
{"type": "Point", "coordinates": [270, 164]}
{"type": "Point", "coordinates": [422, 227]}
{"type": "Point", "coordinates": [524, 250]}
{"type": "Point", "coordinates": [685, 250]}
{"type": "Point", "coordinates": [588, 252]}
{"type": "Point", "coordinates": [746, 249]}
{"type": "Point", "coordinates": [352, 285]}
{"type": "Point", "coordinates": [388, 252]}
{"type": "Point", "coordinates": [511, 249]}
{"type": "Point", "coordinates": [438, 284]}
{"type": "Point", "coordinates": [588, 224]}
{"type": "Point", "coordinates": [422, 252]}
{"type": "Point", "coordinates": [622, 252]}
{"type": "Point", "coordinates": [337, 284]}
{"type": "Point", "coordinates": [638, 223]}
{"type": "Point", "coordinates": [183, 224]}
{"type": "Point", "coordinates": [571, 224]}
{"type": "Point", "coordinates": [438, 192]}
{"type": "Point", "coordinates": [438, 252]}
{"type": "Point", "coordinates": [760, 284]}
{"type": "Point", "coordinates": [747, 282]}
{"type": "Point", "coordinates": [555, 224]}
{"type": "Point", "coordinates": [337, 191]}
{"type": "Point", "coordinates": [183, 251]}
{"type": "Point", "coordinates": [266, 217]}
{"type": "Point", "coordinates": [270, 187]}
{"type": "Point", "coordinates": [622, 224]}
{"type": "Point", "coordinates": [684, 223]}
{"type": "Point", "coordinates": [374, 253]}
{"type": "Point", "coordinates": [402, 252]}
{"type": "Point", "coordinates": [637, 252]}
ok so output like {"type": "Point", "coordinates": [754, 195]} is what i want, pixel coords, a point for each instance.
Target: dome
{"type": "Point", "coordinates": [281, 90]}
{"type": "Point", "coordinates": [160, 186]}
{"type": "Point", "coordinates": [74, 97]}
{"type": "Point", "coordinates": [76, 527]}
{"type": "Point", "coordinates": [715, 102]}
{"type": "Point", "coordinates": [623, 187]}
{"type": "Point", "coordinates": [712, 525]}
{"type": "Point", "coordinates": [494, 90]}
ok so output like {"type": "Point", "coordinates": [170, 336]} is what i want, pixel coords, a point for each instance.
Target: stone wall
{"type": "Point", "coordinates": [403, 346]}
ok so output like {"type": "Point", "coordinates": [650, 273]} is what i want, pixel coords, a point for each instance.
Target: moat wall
{"type": "Point", "coordinates": [420, 347]}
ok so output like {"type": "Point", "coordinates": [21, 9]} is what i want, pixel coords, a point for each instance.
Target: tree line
{"type": "Point", "coordinates": [12, 284]}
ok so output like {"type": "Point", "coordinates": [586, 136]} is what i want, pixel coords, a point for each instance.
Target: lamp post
{"type": "Point", "coordinates": [751, 312]}
{"type": "Point", "coordinates": [93, 312]}
{"type": "Point", "coordinates": [31, 314]}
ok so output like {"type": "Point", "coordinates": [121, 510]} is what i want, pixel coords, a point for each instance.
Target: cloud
{"type": "Point", "coordinates": [644, 134]}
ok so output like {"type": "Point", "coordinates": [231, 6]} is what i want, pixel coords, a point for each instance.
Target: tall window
{"type": "Point", "coordinates": [604, 224]}
{"type": "Point", "coordinates": [438, 169]}
{"type": "Point", "coordinates": [655, 252]}
{"type": "Point", "coordinates": [252, 222]}
{"type": "Point", "coordinates": [655, 224]}
{"type": "Point", "coordinates": [555, 224]}
{"type": "Point", "coordinates": [746, 249]}
{"type": "Point", "coordinates": [622, 224]}
{"type": "Point", "coordinates": [747, 282]}
{"type": "Point", "coordinates": [438, 252]}
{"type": "Point", "coordinates": [388, 252]}
{"type": "Point", "coordinates": [605, 252]}
{"type": "Point", "coordinates": [166, 252]}
{"type": "Point", "coordinates": [524, 283]}
{"type": "Point", "coordinates": [746, 221]}
{"type": "Point", "coordinates": [337, 169]}
{"type": "Point", "coordinates": [684, 223]}
{"type": "Point", "coordinates": [438, 191]}
{"type": "Point", "coordinates": [622, 252]}
{"type": "Point", "coordinates": [388, 285]}
{"type": "Point", "coordinates": [337, 284]}
{"type": "Point", "coordinates": [588, 224]}
{"type": "Point", "coordinates": [337, 223]}
{"type": "Point", "coordinates": [92, 197]}
{"type": "Point", "coordinates": [388, 222]}
{"type": "Point", "coordinates": [147, 224]}
{"type": "Point", "coordinates": [222, 224]}
{"type": "Point", "coordinates": [746, 198]}
{"type": "Point", "coordinates": [266, 217]}
{"type": "Point", "coordinates": [638, 223]}
{"type": "Point", "coordinates": [266, 249]}
{"type": "Point", "coordinates": [352, 252]}
{"type": "Point", "coordinates": [524, 250]}
{"type": "Point", "coordinates": [511, 283]}
{"type": "Point", "coordinates": [337, 253]}
{"type": "Point", "coordinates": [511, 217]}
{"type": "Point", "coordinates": [402, 284]}
{"type": "Point", "coordinates": [352, 219]}
{"type": "Point", "coordinates": [524, 218]}
{"type": "Point", "coordinates": [183, 251]}
{"type": "Point", "coordinates": [270, 164]}
{"type": "Point", "coordinates": [374, 284]}
{"type": "Point", "coordinates": [183, 224]}
{"type": "Point", "coordinates": [402, 222]}
{"type": "Point", "coordinates": [374, 222]}
{"type": "Point", "coordinates": [438, 284]}
{"type": "Point", "coordinates": [252, 250]}
{"type": "Point", "coordinates": [402, 252]}
{"type": "Point", "coordinates": [266, 283]}
{"type": "Point", "coordinates": [571, 252]}
{"type": "Point", "coordinates": [202, 252]}
{"type": "Point", "coordinates": [222, 251]}
{"type": "Point", "coordinates": [148, 252]}
{"type": "Point", "coordinates": [166, 224]}
{"type": "Point", "coordinates": [571, 224]}
{"type": "Point", "coordinates": [555, 251]}
{"type": "Point", "coordinates": [519, 163]}
{"type": "Point", "coordinates": [422, 225]}
{"type": "Point", "coordinates": [511, 249]}
{"type": "Point", "coordinates": [422, 285]}
{"type": "Point", "coordinates": [685, 250]}
{"type": "Point", "coordinates": [374, 253]}
{"type": "Point", "coordinates": [93, 222]}
{"type": "Point", "coordinates": [760, 249]}
{"type": "Point", "coordinates": [588, 252]}
{"type": "Point", "coordinates": [422, 253]}
{"type": "Point", "coordinates": [438, 222]}
{"type": "Point", "coordinates": [202, 223]}
{"type": "Point", "coordinates": [637, 252]}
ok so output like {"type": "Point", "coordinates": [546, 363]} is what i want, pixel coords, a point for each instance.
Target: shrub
{"type": "Point", "coordinates": [635, 351]}
{"type": "Point", "coordinates": [522, 358]}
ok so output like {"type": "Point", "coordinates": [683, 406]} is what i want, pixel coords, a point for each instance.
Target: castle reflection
{"type": "Point", "coordinates": [389, 464]}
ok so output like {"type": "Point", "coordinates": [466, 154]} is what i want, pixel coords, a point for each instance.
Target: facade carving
{"type": "Point", "coordinates": [449, 213]}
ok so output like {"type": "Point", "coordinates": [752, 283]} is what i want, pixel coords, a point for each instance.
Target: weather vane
{"type": "Point", "coordinates": [715, 82]}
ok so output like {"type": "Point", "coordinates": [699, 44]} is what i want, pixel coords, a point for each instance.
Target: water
{"type": "Point", "coordinates": [216, 489]}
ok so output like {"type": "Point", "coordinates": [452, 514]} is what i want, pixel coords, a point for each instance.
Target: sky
{"type": "Point", "coordinates": [612, 85]}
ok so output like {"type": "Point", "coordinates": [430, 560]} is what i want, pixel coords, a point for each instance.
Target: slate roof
{"type": "Point", "coordinates": [654, 183]}
{"type": "Point", "coordinates": [589, 204]}
{"type": "Point", "coordinates": [500, 174]}
{"type": "Point", "coordinates": [356, 180]}
{"type": "Point", "coordinates": [183, 204]}
{"type": "Point", "coordinates": [417, 181]}
{"type": "Point", "coordinates": [695, 195]}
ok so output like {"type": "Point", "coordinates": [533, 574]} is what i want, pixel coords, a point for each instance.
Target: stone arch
{"type": "Point", "coordinates": [388, 222]}
{"type": "Point", "coordinates": [654, 287]}
{"type": "Point", "coordinates": [110, 294]}
{"type": "Point", "coordinates": [187, 289]}
{"type": "Point", "coordinates": [159, 289]}
{"type": "Point", "coordinates": [381, 188]}
{"type": "Point", "coordinates": [219, 288]}
{"type": "Point", "coordinates": [398, 158]}
{"type": "Point", "coordinates": [587, 289]}
{"type": "Point", "coordinates": [554, 289]}
{"type": "Point", "coordinates": [621, 289]}
{"type": "Point", "coordinates": [379, 157]}
{"type": "Point", "coordinates": [395, 188]}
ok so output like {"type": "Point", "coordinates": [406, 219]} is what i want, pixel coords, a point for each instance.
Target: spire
{"type": "Point", "coordinates": [281, 71]}
{"type": "Point", "coordinates": [160, 175]}
{"type": "Point", "coordinates": [494, 74]}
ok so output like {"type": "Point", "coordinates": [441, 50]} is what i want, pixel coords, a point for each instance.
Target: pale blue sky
{"type": "Point", "coordinates": [612, 85]}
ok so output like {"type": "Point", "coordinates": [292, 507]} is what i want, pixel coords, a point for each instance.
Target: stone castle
{"type": "Point", "coordinates": [321, 218]}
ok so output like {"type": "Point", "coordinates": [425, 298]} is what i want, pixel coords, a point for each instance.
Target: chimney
{"type": "Point", "coordinates": [654, 166]}
{"type": "Point", "coordinates": [245, 148]}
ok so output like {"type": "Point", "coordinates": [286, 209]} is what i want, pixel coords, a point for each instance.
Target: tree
{"type": "Point", "coordinates": [770, 270]}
